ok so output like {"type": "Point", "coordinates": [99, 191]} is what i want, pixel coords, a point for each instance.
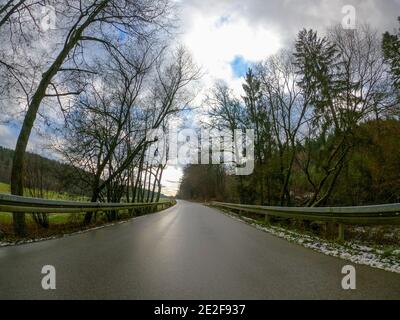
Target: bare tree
{"type": "Point", "coordinates": [288, 109]}
{"type": "Point", "coordinates": [99, 23]}
{"type": "Point", "coordinates": [350, 87]}
{"type": "Point", "coordinates": [108, 134]}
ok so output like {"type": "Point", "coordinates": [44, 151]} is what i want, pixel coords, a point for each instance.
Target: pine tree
{"type": "Point", "coordinates": [391, 51]}
{"type": "Point", "coordinates": [257, 118]}
{"type": "Point", "coordinates": [317, 62]}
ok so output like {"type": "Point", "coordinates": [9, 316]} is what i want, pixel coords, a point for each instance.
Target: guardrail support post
{"type": "Point", "coordinates": [267, 218]}
{"type": "Point", "coordinates": [341, 232]}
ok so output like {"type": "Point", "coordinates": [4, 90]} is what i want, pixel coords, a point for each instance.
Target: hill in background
{"type": "Point", "coordinates": [45, 177]}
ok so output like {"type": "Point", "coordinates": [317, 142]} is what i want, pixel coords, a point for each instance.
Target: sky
{"type": "Point", "coordinates": [225, 37]}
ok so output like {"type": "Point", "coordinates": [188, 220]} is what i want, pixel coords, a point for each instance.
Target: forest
{"type": "Point", "coordinates": [326, 121]}
{"type": "Point", "coordinates": [43, 175]}
{"type": "Point", "coordinates": [92, 78]}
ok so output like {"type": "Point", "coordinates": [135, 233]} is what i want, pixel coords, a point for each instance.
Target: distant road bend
{"type": "Point", "coordinates": [185, 252]}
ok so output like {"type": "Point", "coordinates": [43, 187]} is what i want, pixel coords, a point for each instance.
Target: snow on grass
{"type": "Point", "coordinates": [350, 250]}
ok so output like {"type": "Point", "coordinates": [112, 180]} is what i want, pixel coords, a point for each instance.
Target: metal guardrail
{"type": "Point", "coordinates": [366, 215]}
{"type": "Point", "coordinates": [10, 203]}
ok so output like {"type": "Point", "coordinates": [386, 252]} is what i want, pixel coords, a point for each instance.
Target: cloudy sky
{"type": "Point", "coordinates": [227, 36]}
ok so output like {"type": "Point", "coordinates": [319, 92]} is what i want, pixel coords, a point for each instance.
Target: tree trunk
{"type": "Point", "coordinates": [95, 197]}
{"type": "Point", "coordinates": [17, 172]}
{"type": "Point", "coordinates": [30, 117]}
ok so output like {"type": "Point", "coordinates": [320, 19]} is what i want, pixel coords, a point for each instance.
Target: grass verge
{"type": "Point", "coordinates": [64, 224]}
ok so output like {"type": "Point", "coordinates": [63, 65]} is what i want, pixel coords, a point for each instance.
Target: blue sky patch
{"type": "Point", "coordinates": [239, 66]}
{"type": "Point", "coordinates": [222, 20]}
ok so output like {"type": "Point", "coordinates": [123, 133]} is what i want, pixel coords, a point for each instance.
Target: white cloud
{"type": "Point", "coordinates": [7, 137]}
{"type": "Point", "coordinates": [215, 41]}
{"type": "Point", "coordinates": [170, 180]}
{"type": "Point", "coordinates": [37, 142]}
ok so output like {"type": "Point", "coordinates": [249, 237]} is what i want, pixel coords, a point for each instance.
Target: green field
{"type": "Point", "coordinates": [57, 218]}
{"type": "Point", "coordinates": [4, 188]}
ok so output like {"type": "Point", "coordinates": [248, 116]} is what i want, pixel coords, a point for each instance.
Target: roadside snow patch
{"type": "Point", "coordinates": [354, 252]}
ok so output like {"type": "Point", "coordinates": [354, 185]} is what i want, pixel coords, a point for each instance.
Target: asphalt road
{"type": "Point", "coordinates": [185, 252]}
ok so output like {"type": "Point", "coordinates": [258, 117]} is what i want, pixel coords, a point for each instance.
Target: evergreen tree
{"type": "Point", "coordinates": [317, 62]}
{"type": "Point", "coordinates": [391, 51]}
{"type": "Point", "coordinates": [257, 118]}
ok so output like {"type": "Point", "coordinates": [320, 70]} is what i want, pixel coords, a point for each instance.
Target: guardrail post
{"type": "Point", "coordinates": [341, 232]}
{"type": "Point", "coordinates": [267, 218]}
